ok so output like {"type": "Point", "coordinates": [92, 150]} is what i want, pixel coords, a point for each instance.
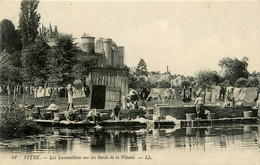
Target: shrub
{"type": "Point", "coordinates": [241, 82]}
{"type": "Point", "coordinates": [14, 123]}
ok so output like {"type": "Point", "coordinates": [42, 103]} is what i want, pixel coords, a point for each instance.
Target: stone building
{"type": "Point", "coordinates": [113, 55]}
{"type": "Point", "coordinates": [109, 81]}
{"type": "Point", "coordinates": [106, 50]}
{"type": "Point", "coordinates": [49, 34]}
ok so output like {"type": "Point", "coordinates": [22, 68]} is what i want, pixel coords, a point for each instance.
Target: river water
{"type": "Point", "coordinates": [236, 144]}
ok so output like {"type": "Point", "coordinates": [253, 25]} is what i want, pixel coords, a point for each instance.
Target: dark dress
{"type": "Point", "coordinates": [117, 110]}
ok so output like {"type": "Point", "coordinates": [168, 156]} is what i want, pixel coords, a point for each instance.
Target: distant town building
{"type": "Point", "coordinates": [49, 34]}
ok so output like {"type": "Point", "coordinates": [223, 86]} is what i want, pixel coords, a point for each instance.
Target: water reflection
{"type": "Point", "coordinates": [60, 140]}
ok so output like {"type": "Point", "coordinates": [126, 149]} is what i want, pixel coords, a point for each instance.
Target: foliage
{"type": "Point", "coordinates": [133, 81]}
{"type": "Point", "coordinates": [34, 62]}
{"type": "Point", "coordinates": [61, 61]}
{"type": "Point", "coordinates": [185, 83]}
{"type": "Point", "coordinates": [10, 58]}
{"type": "Point", "coordinates": [85, 63]}
{"type": "Point", "coordinates": [251, 82]}
{"type": "Point", "coordinates": [255, 74]}
{"type": "Point", "coordinates": [207, 78]}
{"type": "Point", "coordinates": [241, 82]}
{"type": "Point", "coordinates": [29, 21]}
{"type": "Point", "coordinates": [141, 69]}
{"type": "Point", "coordinates": [155, 72]}
{"type": "Point", "coordinates": [9, 37]}
{"type": "Point", "coordinates": [163, 84]}
{"type": "Point", "coordinates": [10, 65]}
{"type": "Point", "coordinates": [14, 124]}
{"type": "Point", "coordinates": [234, 69]}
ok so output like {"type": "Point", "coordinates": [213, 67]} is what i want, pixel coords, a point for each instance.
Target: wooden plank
{"type": "Point", "coordinates": [90, 99]}
{"type": "Point", "coordinates": [119, 81]}
{"type": "Point", "coordinates": [123, 86]}
{"type": "Point", "coordinates": [112, 81]}
{"type": "Point", "coordinates": [99, 79]}
{"type": "Point", "coordinates": [112, 88]}
{"type": "Point", "coordinates": [104, 80]}
{"type": "Point", "coordinates": [126, 88]}
{"type": "Point", "coordinates": [109, 79]}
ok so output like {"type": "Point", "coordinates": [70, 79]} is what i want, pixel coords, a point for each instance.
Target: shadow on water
{"type": "Point", "coordinates": [62, 140]}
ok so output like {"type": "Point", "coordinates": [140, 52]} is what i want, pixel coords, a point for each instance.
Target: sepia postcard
{"type": "Point", "coordinates": [129, 82]}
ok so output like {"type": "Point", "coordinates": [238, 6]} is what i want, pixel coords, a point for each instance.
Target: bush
{"type": "Point", "coordinates": [252, 82]}
{"type": "Point", "coordinates": [241, 82]}
{"type": "Point", "coordinates": [14, 123]}
{"type": "Point", "coordinates": [164, 84]}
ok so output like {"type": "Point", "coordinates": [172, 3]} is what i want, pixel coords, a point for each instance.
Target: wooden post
{"type": "Point", "coordinates": [19, 89]}
{"type": "Point", "coordinates": [91, 88]}
{"type": "Point", "coordinates": [14, 93]}
{"type": "Point", "coordinates": [8, 91]}
{"type": "Point", "coordinates": [204, 96]}
{"type": "Point", "coordinates": [52, 93]}
{"type": "Point", "coordinates": [124, 102]}
{"type": "Point", "coordinates": [23, 93]}
{"type": "Point", "coordinates": [44, 92]}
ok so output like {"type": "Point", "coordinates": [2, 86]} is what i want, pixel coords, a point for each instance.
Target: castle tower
{"type": "Point", "coordinates": [108, 50]}
{"type": "Point", "coordinates": [50, 30]}
{"type": "Point", "coordinates": [88, 43]}
{"type": "Point", "coordinates": [56, 31]}
{"type": "Point", "coordinates": [121, 56]}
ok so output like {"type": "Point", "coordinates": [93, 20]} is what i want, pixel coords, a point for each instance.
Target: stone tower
{"type": "Point", "coordinates": [88, 43]}
{"type": "Point", "coordinates": [50, 30]}
{"type": "Point", "coordinates": [108, 50]}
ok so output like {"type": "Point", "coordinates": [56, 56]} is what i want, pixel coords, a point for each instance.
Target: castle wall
{"type": "Point", "coordinates": [88, 45]}
{"type": "Point", "coordinates": [108, 50]}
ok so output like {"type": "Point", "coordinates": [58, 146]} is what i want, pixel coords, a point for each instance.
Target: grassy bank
{"type": "Point", "coordinates": [61, 102]}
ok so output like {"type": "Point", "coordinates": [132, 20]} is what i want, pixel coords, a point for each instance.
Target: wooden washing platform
{"type": "Point", "coordinates": [221, 121]}
{"type": "Point", "coordinates": [106, 123]}
{"type": "Point", "coordinates": [203, 122]}
{"type": "Point", "coordinates": [150, 123]}
{"type": "Point", "coordinates": [53, 123]}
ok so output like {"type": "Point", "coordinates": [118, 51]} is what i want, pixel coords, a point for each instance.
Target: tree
{"type": "Point", "coordinates": [133, 81]}
{"type": "Point", "coordinates": [255, 74]}
{"type": "Point", "coordinates": [62, 60]}
{"type": "Point", "coordinates": [141, 69]}
{"type": "Point", "coordinates": [241, 82]}
{"type": "Point", "coordinates": [29, 21]}
{"type": "Point", "coordinates": [207, 78]}
{"type": "Point", "coordinates": [253, 82]}
{"type": "Point", "coordinates": [84, 64]}
{"type": "Point", "coordinates": [185, 83]}
{"type": "Point", "coordinates": [9, 37]}
{"type": "Point", "coordinates": [34, 63]}
{"type": "Point", "coordinates": [164, 84]}
{"type": "Point", "coordinates": [234, 69]}
{"type": "Point", "coordinates": [10, 46]}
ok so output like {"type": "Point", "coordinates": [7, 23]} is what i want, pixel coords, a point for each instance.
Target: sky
{"type": "Point", "coordinates": [186, 36]}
